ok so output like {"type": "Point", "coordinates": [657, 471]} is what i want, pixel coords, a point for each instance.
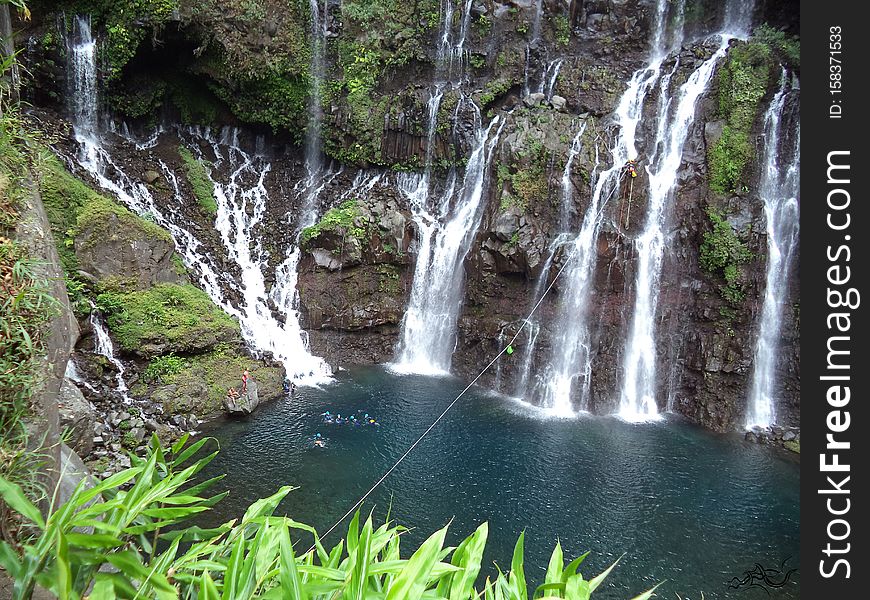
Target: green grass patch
{"type": "Point", "coordinates": [166, 318]}
{"type": "Point", "coordinates": [197, 176]}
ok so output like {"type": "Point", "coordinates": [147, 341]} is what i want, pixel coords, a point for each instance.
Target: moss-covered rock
{"type": "Point", "coordinates": [165, 318]}
{"type": "Point", "coordinates": [97, 235]}
{"type": "Point", "coordinates": [200, 386]}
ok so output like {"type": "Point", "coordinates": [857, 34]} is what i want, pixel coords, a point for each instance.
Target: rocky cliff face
{"type": "Point", "coordinates": [251, 67]}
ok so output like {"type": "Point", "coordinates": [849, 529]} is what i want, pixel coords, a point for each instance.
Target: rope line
{"type": "Point", "coordinates": [462, 393]}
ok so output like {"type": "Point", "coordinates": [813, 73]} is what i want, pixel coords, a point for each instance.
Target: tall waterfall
{"type": "Point", "coordinates": [445, 228]}
{"type": "Point", "coordinates": [638, 397]}
{"type": "Point", "coordinates": [568, 371]}
{"type": "Point", "coordinates": [569, 357]}
{"type": "Point", "coordinates": [779, 188]}
{"type": "Point", "coordinates": [264, 333]}
{"type": "Point", "coordinates": [429, 325]}
{"type": "Point", "coordinates": [317, 67]}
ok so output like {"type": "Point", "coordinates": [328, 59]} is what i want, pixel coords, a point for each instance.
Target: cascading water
{"type": "Point", "coordinates": [72, 373]}
{"type": "Point", "coordinates": [313, 159]}
{"type": "Point", "coordinates": [103, 346]}
{"type": "Point", "coordinates": [283, 338]}
{"type": "Point", "coordinates": [570, 363]}
{"type": "Point", "coordinates": [82, 85]}
{"type": "Point", "coordinates": [779, 188]}
{"type": "Point", "coordinates": [429, 325]}
{"type": "Point", "coordinates": [241, 206]}
{"type": "Point", "coordinates": [638, 394]}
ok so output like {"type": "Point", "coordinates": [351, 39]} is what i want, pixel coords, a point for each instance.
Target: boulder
{"type": "Point", "coordinates": [535, 99]}
{"type": "Point", "coordinates": [245, 402]}
{"type": "Point", "coordinates": [558, 102]}
{"type": "Point", "coordinates": [77, 416]}
{"type": "Point", "coordinates": [122, 246]}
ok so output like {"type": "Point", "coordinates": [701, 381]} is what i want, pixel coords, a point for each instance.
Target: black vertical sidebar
{"type": "Point", "coordinates": [835, 106]}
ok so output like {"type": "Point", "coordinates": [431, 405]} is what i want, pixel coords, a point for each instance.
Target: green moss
{"type": "Point", "coordinates": [197, 177]}
{"type": "Point", "coordinates": [97, 217]}
{"type": "Point", "coordinates": [340, 219]}
{"type": "Point", "coordinates": [722, 253]}
{"type": "Point", "coordinates": [793, 445]}
{"type": "Point", "coordinates": [166, 318]}
{"type": "Point", "coordinates": [563, 30]}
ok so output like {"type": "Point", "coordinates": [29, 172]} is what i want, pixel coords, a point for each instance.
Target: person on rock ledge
{"type": "Point", "coordinates": [245, 381]}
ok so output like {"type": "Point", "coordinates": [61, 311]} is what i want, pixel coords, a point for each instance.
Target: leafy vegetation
{"type": "Point", "coordinates": [132, 512]}
{"type": "Point", "coordinates": [340, 219]}
{"type": "Point", "coordinates": [26, 305]}
{"type": "Point", "coordinates": [160, 367]}
{"type": "Point", "coordinates": [743, 81]}
{"type": "Point", "coordinates": [787, 47]}
{"type": "Point", "coordinates": [563, 30]}
{"type": "Point", "coordinates": [203, 188]}
{"type": "Point", "coordinates": [165, 318]}
{"type": "Point", "coordinates": [722, 253]}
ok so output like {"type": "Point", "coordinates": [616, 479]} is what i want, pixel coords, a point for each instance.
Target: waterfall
{"type": "Point", "coordinates": [82, 84]}
{"type": "Point", "coordinates": [281, 337]}
{"type": "Point", "coordinates": [103, 346]}
{"type": "Point", "coordinates": [429, 325]}
{"type": "Point", "coordinates": [570, 362]}
{"type": "Point", "coordinates": [313, 160]}
{"type": "Point", "coordinates": [241, 207]}
{"type": "Point", "coordinates": [551, 74]}
{"type": "Point", "coordinates": [779, 188]}
{"type": "Point", "coordinates": [738, 18]}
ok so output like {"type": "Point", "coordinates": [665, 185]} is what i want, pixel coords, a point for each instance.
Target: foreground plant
{"type": "Point", "coordinates": [249, 558]}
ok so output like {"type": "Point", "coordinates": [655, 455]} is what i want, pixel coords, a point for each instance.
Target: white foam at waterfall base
{"type": "Point", "coordinates": [779, 188]}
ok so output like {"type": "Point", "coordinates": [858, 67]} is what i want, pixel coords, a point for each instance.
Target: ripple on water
{"type": "Point", "coordinates": [685, 505]}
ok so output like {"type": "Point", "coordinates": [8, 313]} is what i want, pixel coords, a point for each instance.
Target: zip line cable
{"type": "Point", "coordinates": [462, 393]}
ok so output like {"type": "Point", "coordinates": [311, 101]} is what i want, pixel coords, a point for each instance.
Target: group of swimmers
{"type": "Point", "coordinates": [361, 420]}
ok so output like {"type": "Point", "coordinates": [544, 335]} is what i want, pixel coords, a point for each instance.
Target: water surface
{"type": "Point", "coordinates": [683, 504]}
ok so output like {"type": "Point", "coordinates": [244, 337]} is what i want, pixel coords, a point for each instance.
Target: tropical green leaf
{"type": "Point", "coordinates": [411, 582]}
{"type": "Point", "coordinates": [14, 497]}
{"type": "Point", "coordinates": [596, 581]}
